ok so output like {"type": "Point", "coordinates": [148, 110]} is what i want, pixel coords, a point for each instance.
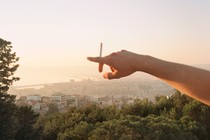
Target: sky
{"type": "Point", "coordinates": [52, 33]}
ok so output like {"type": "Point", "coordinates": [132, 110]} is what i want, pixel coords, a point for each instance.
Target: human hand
{"type": "Point", "coordinates": [121, 63]}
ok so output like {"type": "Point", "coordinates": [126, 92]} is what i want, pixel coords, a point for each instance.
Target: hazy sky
{"type": "Point", "coordinates": [65, 32]}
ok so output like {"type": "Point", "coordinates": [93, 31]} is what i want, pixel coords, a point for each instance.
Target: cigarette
{"type": "Point", "coordinates": [101, 46]}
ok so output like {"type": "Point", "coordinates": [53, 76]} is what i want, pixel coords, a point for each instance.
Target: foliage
{"type": "Point", "coordinates": [171, 117]}
{"type": "Point", "coordinates": [15, 122]}
{"type": "Point", "coordinates": [8, 65]}
{"type": "Point", "coordinates": [52, 108]}
{"type": "Point", "coordinates": [141, 108]}
{"type": "Point", "coordinates": [7, 106]}
{"type": "Point", "coordinates": [7, 116]}
{"type": "Point", "coordinates": [26, 119]}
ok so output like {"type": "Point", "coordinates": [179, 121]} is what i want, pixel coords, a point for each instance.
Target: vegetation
{"type": "Point", "coordinates": [177, 117]}
{"type": "Point", "coordinates": [15, 122]}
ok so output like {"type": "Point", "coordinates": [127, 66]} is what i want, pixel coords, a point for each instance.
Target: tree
{"type": "Point", "coordinates": [26, 119]}
{"type": "Point", "coordinates": [8, 122]}
{"type": "Point", "coordinates": [139, 108]}
{"type": "Point", "coordinates": [8, 66]}
{"type": "Point", "coordinates": [52, 108]}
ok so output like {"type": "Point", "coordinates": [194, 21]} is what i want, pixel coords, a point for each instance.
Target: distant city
{"type": "Point", "coordinates": [81, 91]}
{"type": "Point", "coordinates": [89, 91]}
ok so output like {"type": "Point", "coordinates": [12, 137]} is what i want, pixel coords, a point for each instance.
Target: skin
{"type": "Point", "coordinates": [191, 81]}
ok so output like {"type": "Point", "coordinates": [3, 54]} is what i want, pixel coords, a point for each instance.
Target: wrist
{"type": "Point", "coordinates": [144, 63]}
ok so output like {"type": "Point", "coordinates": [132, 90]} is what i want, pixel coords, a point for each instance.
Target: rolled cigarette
{"type": "Point", "coordinates": [101, 47]}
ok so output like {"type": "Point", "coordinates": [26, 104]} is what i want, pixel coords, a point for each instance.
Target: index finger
{"type": "Point", "coordinates": [95, 59]}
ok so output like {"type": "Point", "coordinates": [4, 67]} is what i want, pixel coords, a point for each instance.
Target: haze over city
{"type": "Point", "coordinates": [53, 38]}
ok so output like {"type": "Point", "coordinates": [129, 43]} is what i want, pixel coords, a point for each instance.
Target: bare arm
{"type": "Point", "coordinates": [192, 81]}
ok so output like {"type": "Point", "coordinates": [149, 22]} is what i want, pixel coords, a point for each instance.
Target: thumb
{"type": "Point", "coordinates": [111, 75]}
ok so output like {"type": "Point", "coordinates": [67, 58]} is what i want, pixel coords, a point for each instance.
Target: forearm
{"type": "Point", "coordinates": [192, 81]}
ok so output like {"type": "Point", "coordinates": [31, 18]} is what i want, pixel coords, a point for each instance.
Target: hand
{"type": "Point", "coordinates": [121, 64]}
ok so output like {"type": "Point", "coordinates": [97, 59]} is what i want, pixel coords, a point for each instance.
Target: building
{"type": "Point", "coordinates": [34, 97]}
{"type": "Point", "coordinates": [105, 101]}
{"type": "Point", "coordinates": [59, 99]}
{"type": "Point", "coordinates": [45, 99]}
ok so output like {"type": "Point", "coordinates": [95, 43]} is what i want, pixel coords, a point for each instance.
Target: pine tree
{"type": "Point", "coordinates": [8, 66]}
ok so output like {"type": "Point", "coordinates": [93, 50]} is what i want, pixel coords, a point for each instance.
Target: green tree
{"type": "Point", "coordinates": [52, 108]}
{"type": "Point", "coordinates": [8, 122]}
{"type": "Point", "coordinates": [162, 105]}
{"type": "Point", "coordinates": [8, 67]}
{"type": "Point", "coordinates": [141, 108]}
{"type": "Point", "coordinates": [79, 132]}
{"type": "Point", "coordinates": [26, 119]}
{"type": "Point", "coordinates": [174, 117]}
{"type": "Point", "coordinates": [192, 109]}
{"type": "Point", "coordinates": [206, 118]}
{"type": "Point", "coordinates": [163, 128]}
